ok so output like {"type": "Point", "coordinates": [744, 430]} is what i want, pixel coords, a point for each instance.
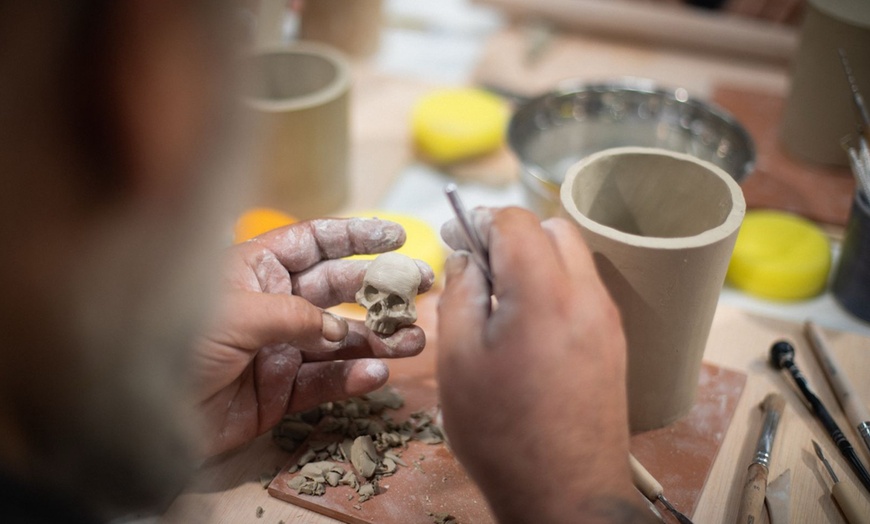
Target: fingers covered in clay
{"type": "Point", "coordinates": [301, 245]}
{"type": "Point", "coordinates": [251, 320]}
{"type": "Point", "coordinates": [481, 219]}
{"type": "Point", "coordinates": [361, 342]}
{"type": "Point", "coordinates": [318, 382]}
{"type": "Point", "coordinates": [337, 281]}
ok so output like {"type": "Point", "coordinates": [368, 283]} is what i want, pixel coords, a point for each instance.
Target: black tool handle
{"type": "Point", "coordinates": [830, 425]}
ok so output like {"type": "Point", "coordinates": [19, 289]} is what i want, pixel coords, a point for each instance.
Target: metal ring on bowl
{"type": "Point", "coordinates": [557, 129]}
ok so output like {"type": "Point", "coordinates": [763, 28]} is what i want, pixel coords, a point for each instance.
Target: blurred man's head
{"type": "Point", "coordinates": [111, 116]}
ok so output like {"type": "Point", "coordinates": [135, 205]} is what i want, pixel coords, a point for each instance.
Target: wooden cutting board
{"type": "Point", "coordinates": [680, 456]}
{"type": "Point", "coordinates": [432, 483]}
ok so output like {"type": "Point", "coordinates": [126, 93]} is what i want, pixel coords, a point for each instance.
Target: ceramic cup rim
{"type": "Point", "coordinates": [729, 225]}
{"type": "Point", "coordinates": [338, 86]}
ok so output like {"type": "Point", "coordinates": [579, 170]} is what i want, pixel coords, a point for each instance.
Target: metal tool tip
{"type": "Point", "coordinates": [682, 519]}
{"type": "Point", "coordinates": [450, 188]}
{"type": "Point", "coordinates": [781, 353]}
{"type": "Point", "coordinates": [818, 450]}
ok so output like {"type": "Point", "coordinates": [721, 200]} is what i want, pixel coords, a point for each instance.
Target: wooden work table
{"type": "Point", "coordinates": [227, 488]}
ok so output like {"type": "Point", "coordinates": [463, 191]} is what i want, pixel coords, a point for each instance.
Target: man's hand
{"type": "Point", "coordinates": [272, 349]}
{"type": "Point", "coordinates": [533, 389]}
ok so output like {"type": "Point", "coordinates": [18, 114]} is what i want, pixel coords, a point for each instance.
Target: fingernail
{"type": "Point", "coordinates": [334, 327]}
{"type": "Point", "coordinates": [456, 264]}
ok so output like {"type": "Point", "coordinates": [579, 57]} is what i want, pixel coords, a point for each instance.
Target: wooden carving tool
{"type": "Point", "coordinates": [752, 504]}
{"type": "Point", "coordinates": [851, 403]}
{"type": "Point", "coordinates": [651, 489]}
{"type": "Point", "coordinates": [854, 507]}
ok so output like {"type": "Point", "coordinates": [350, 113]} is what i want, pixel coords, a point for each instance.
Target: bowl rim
{"type": "Point", "coordinates": [528, 108]}
{"type": "Point", "coordinates": [729, 226]}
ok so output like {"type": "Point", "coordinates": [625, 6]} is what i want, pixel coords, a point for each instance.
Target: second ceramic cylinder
{"type": "Point", "coordinates": [661, 226]}
{"type": "Point", "coordinates": [299, 97]}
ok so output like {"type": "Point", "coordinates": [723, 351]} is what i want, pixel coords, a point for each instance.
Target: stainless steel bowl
{"type": "Point", "coordinates": [550, 133]}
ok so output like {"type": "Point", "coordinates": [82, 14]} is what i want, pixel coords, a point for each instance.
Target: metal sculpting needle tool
{"type": "Point", "coordinates": [851, 403]}
{"type": "Point", "coordinates": [478, 251]}
{"type": "Point", "coordinates": [651, 489]}
{"type": "Point", "coordinates": [854, 508]}
{"type": "Point", "coordinates": [755, 489]}
{"type": "Point", "coordinates": [782, 356]}
{"type": "Point", "coordinates": [858, 148]}
{"type": "Point", "coordinates": [857, 99]}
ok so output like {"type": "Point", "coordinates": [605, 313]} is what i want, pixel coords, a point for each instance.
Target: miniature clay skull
{"type": "Point", "coordinates": [388, 292]}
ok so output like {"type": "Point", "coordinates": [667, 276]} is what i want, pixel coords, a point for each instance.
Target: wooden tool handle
{"type": "Point", "coordinates": [853, 504]}
{"type": "Point", "coordinates": [752, 504]}
{"type": "Point", "coordinates": [855, 409]}
{"type": "Point", "coordinates": [643, 480]}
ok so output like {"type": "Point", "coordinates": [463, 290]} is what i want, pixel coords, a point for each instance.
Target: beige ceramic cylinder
{"type": "Point", "coordinates": [353, 26]}
{"type": "Point", "coordinates": [299, 98]}
{"type": "Point", "coordinates": [661, 226]}
{"type": "Point", "coordinates": [819, 110]}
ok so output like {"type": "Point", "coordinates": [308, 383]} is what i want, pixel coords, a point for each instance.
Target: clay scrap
{"type": "Point", "coordinates": [352, 443]}
{"type": "Point", "coordinates": [389, 288]}
{"type": "Point", "coordinates": [443, 518]}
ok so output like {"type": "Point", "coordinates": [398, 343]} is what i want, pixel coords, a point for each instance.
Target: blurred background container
{"type": "Point", "coordinates": [819, 109]}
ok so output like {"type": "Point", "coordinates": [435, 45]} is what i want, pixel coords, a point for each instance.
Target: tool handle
{"type": "Point", "coordinates": [854, 506]}
{"type": "Point", "coordinates": [817, 407]}
{"type": "Point", "coordinates": [643, 480]}
{"type": "Point", "coordinates": [772, 406]}
{"type": "Point", "coordinates": [855, 463]}
{"type": "Point", "coordinates": [754, 490]}
{"type": "Point", "coordinates": [852, 405]}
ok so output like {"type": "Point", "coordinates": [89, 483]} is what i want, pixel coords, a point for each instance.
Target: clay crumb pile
{"type": "Point", "coordinates": [356, 432]}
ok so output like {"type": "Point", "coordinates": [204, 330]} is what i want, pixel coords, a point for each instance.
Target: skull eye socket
{"type": "Point", "coordinates": [371, 293]}
{"type": "Point", "coordinates": [394, 302]}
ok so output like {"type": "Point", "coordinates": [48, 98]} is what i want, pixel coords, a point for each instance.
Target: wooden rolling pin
{"type": "Point", "coordinates": [678, 26]}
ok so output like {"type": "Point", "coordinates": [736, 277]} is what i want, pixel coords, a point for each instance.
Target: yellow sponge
{"type": "Point", "coordinates": [456, 124]}
{"type": "Point", "coordinates": [258, 220]}
{"type": "Point", "coordinates": [780, 256]}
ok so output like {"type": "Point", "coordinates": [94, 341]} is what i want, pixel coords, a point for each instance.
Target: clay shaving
{"type": "Point", "coordinates": [355, 432]}
{"type": "Point", "coordinates": [443, 518]}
